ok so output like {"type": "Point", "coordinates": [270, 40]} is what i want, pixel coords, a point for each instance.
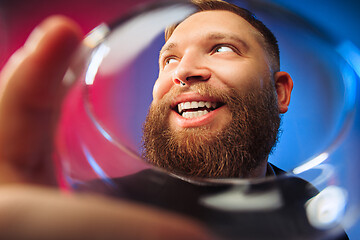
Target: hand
{"type": "Point", "coordinates": [35, 213]}
{"type": "Point", "coordinates": [31, 92]}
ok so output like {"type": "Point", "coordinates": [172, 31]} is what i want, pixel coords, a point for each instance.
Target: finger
{"type": "Point", "coordinates": [36, 213]}
{"type": "Point", "coordinates": [31, 91]}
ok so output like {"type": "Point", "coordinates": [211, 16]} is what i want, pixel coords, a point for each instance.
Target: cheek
{"type": "Point", "coordinates": [241, 76]}
{"type": "Point", "coordinates": [233, 76]}
{"type": "Point", "coordinates": [155, 91]}
{"type": "Point", "coordinates": [161, 87]}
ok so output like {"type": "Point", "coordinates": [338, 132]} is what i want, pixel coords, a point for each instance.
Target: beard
{"type": "Point", "coordinates": [232, 152]}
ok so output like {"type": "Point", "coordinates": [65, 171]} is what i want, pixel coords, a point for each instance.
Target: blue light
{"type": "Point", "coordinates": [351, 55]}
{"type": "Point", "coordinates": [95, 122]}
{"type": "Point", "coordinates": [101, 130]}
{"type": "Point", "coordinates": [95, 166]}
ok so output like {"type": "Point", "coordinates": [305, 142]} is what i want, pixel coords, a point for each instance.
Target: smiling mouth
{"type": "Point", "coordinates": [196, 108]}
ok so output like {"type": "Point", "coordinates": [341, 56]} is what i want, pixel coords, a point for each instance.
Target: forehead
{"type": "Point", "coordinates": [216, 21]}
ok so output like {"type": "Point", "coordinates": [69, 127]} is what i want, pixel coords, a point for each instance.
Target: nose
{"type": "Point", "coordinates": [191, 68]}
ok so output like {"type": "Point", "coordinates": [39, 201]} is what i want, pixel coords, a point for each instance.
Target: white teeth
{"type": "Point", "coordinates": [194, 114]}
{"type": "Point", "coordinates": [187, 105]}
{"type": "Point", "coordinates": [182, 106]}
{"type": "Point", "coordinates": [187, 114]}
{"type": "Point", "coordinates": [194, 105]}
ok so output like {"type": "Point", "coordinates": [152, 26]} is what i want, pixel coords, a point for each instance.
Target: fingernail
{"type": "Point", "coordinates": [34, 39]}
{"type": "Point", "coordinates": [69, 78]}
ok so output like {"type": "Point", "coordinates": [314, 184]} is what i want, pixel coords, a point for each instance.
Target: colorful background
{"type": "Point", "coordinates": [339, 19]}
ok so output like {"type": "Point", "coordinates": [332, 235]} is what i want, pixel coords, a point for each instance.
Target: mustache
{"type": "Point", "coordinates": [204, 89]}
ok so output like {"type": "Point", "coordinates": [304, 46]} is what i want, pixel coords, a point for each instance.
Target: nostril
{"type": "Point", "coordinates": [177, 81]}
{"type": "Point", "coordinates": [197, 78]}
{"type": "Point", "coordinates": [193, 77]}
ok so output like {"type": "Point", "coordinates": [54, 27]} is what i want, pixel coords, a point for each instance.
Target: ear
{"type": "Point", "coordinates": [284, 86]}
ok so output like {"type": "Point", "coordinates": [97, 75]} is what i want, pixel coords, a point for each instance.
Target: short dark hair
{"type": "Point", "coordinates": [271, 44]}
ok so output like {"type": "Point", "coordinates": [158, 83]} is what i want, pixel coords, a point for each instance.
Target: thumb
{"type": "Point", "coordinates": [31, 92]}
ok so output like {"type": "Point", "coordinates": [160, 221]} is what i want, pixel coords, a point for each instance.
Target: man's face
{"type": "Point", "coordinates": [218, 48]}
{"type": "Point", "coordinates": [223, 122]}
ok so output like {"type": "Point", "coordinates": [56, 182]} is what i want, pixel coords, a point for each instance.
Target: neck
{"type": "Point", "coordinates": [260, 171]}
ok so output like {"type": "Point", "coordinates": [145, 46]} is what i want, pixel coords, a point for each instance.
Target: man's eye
{"type": "Point", "coordinates": [223, 49]}
{"type": "Point", "coordinates": [170, 60]}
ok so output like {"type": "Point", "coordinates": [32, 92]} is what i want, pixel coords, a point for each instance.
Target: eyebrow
{"type": "Point", "coordinates": [167, 47]}
{"type": "Point", "coordinates": [210, 36]}
{"type": "Point", "coordinates": [222, 36]}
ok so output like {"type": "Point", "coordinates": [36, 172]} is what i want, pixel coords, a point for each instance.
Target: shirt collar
{"type": "Point", "coordinates": [270, 170]}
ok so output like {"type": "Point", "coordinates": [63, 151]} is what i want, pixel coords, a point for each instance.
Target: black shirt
{"type": "Point", "coordinates": [271, 209]}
